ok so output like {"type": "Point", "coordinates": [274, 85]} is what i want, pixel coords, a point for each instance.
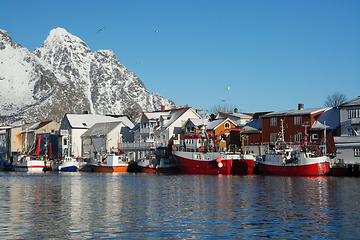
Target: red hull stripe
{"type": "Point", "coordinates": [306, 170]}
{"type": "Point", "coordinates": [190, 166]}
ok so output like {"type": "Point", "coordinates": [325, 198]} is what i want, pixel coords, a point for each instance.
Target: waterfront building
{"type": "Point", "coordinates": [348, 143]}
{"type": "Point", "coordinates": [72, 126]}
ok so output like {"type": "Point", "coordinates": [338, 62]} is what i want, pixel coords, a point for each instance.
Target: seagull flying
{"type": "Point", "coordinates": [228, 88]}
{"type": "Point", "coordinates": [156, 30]}
{"type": "Point", "coordinates": [101, 29]}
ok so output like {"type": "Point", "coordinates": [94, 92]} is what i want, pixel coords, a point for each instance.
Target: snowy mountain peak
{"type": "Point", "coordinates": [65, 76]}
{"type": "Point", "coordinates": [5, 40]}
{"type": "Point", "coordinates": [59, 36]}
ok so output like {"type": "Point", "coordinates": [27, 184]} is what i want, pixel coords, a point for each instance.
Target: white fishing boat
{"type": "Point", "coordinates": [29, 163]}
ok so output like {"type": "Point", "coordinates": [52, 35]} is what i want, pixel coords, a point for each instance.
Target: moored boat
{"type": "Point", "coordinates": [283, 160]}
{"type": "Point", "coordinates": [25, 163]}
{"type": "Point", "coordinates": [201, 155]}
{"type": "Point", "coordinates": [111, 163]}
{"type": "Point", "coordinates": [29, 163]}
{"type": "Point", "coordinates": [66, 164]}
{"type": "Point", "coordinates": [158, 164]}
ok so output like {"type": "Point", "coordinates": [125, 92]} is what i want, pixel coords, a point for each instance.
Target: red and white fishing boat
{"type": "Point", "coordinates": [112, 163]}
{"type": "Point", "coordinates": [28, 163]}
{"type": "Point", "coordinates": [201, 155]}
{"type": "Point", "coordinates": [283, 160]}
{"type": "Point", "coordinates": [159, 162]}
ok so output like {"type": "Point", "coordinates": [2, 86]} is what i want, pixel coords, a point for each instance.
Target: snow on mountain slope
{"type": "Point", "coordinates": [65, 76]}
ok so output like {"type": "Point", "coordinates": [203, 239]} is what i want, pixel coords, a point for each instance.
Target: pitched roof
{"type": "Point", "coordinates": [171, 115]}
{"type": "Point", "coordinates": [253, 125]}
{"type": "Point", "coordinates": [86, 121]}
{"type": "Point", "coordinates": [210, 124]}
{"type": "Point", "coordinates": [36, 126]}
{"type": "Point", "coordinates": [293, 112]}
{"type": "Point", "coordinates": [101, 128]}
{"type": "Point", "coordinates": [353, 102]}
{"type": "Point", "coordinates": [329, 119]}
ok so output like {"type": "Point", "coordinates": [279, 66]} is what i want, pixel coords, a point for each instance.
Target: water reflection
{"type": "Point", "coordinates": [123, 205]}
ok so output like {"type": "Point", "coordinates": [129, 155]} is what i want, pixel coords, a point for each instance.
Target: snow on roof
{"type": "Point", "coordinates": [155, 115]}
{"type": "Point", "coordinates": [293, 112]}
{"type": "Point", "coordinates": [101, 128]}
{"type": "Point", "coordinates": [240, 115]}
{"type": "Point", "coordinates": [329, 119]}
{"type": "Point", "coordinates": [88, 120]}
{"type": "Point", "coordinates": [253, 125]}
{"type": "Point", "coordinates": [210, 124]}
{"type": "Point", "coordinates": [175, 114]}
{"type": "Point", "coordinates": [36, 126]}
{"type": "Point", "coordinates": [353, 102]}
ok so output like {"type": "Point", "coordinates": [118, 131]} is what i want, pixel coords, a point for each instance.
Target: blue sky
{"type": "Point", "coordinates": [273, 54]}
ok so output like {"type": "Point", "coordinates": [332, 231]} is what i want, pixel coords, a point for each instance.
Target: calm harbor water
{"type": "Point", "coordinates": [152, 206]}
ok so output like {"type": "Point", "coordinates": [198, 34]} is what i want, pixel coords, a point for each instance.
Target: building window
{"type": "Point", "coordinates": [357, 152]}
{"type": "Point", "coordinates": [273, 137]}
{"type": "Point", "coordinates": [354, 113]}
{"type": "Point", "coordinates": [352, 131]}
{"type": "Point", "coordinates": [315, 136]}
{"type": "Point", "coordinates": [227, 125]}
{"type": "Point", "coordinates": [297, 120]}
{"type": "Point", "coordinates": [65, 141]}
{"type": "Point", "coordinates": [273, 121]}
{"type": "Point", "coordinates": [298, 137]}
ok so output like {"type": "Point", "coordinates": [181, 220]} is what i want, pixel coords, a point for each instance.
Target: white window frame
{"type": "Point", "coordinates": [298, 137]}
{"type": "Point", "coordinates": [315, 136]}
{"type": "Point", "coordinates": [273, 121]}
{"type": "Point", "coordinates": [227, 125]}
{"type": "Point", "coordinates": [356, 152]}
{"type": "Point", "coordinates": [273, 137]}
{"type": "Point", "coordinates": [351, 131]}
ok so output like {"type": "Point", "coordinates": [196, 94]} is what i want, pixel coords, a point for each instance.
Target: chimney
{"type": "Point", "coordinates": [163, 108]}
{"type": "Point", "coordinates": [300, 106]}
{"type": "Point", "coordinates": [235, 110]}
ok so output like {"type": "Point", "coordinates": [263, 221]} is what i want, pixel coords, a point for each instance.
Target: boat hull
{"type": "Point", "coordinates": [316, 169]}
{"type": "Point", "coordinates": [30, 166]}
{"type": "Point", "coordinates": [242, 166]}
{"type": "Point", "coordinates": [72, 168]}
{"type": "Point", "coordinates": [206, 163]}
{"type": "Point", "coordinates": [110, 168]}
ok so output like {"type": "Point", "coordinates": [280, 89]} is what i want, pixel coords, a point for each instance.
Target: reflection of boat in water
{"type": "Point", "coordinates": [283, 160]}
{"type": "Point", "coordinates": [29, 163]}
{"type": "Point", "coordinates": [111, 163]}
{"type": "Point", "coordinates": [201, 155]}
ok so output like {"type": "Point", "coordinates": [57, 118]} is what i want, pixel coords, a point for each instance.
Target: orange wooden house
{"type": "Point", "coordinates": [194, 126]}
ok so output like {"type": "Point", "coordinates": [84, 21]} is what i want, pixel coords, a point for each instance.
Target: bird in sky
{"type": "Point", "coordinates": [101, 29]}
{"type": "Point", "coordinates": [228, 88]}
{"type": "Point", "coordinates": [156, 30]}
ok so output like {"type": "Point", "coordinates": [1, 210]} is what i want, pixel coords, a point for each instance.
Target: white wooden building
{"type": "Point", "coordinates": [72, 126]}
{"type": "Point", "coordinates": [348, 143]}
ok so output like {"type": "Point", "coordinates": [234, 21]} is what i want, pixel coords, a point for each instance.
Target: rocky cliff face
{"type": "Point", "coordinates": [65, 76]}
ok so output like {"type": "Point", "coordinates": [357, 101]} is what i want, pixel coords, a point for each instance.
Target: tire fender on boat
{"type": "Point", "coordinates": [219, 163]}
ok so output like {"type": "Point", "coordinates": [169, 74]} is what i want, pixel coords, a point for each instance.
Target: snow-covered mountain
{"type": "Point", "coordinates": [65, 76]}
